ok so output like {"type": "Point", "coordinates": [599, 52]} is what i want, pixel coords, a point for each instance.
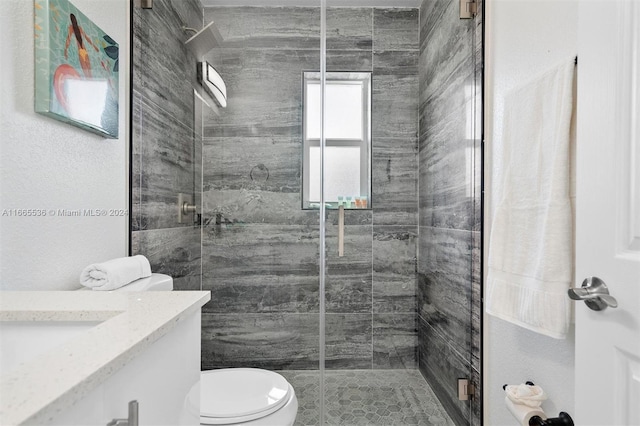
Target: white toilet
{"type": "Point", "coordinates": [234, 396]}
{"type": "Point", "coordinates": [245, 396]}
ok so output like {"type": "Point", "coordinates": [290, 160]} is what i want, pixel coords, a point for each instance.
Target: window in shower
{"type": "Point", "coordinates": [347, 140]}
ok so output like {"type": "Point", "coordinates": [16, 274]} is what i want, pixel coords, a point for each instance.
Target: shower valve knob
{"type": "Point", "coordinates": [188, 208]}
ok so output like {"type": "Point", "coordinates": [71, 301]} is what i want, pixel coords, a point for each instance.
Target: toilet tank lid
{"type": "Point", "coordinates": [156, 282]}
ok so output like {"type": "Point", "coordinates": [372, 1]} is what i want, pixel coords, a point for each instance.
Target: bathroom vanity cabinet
{"type": "Point", "coordinates": [159, 379]}
{"type": "Point", "coordinates": [145, 347]}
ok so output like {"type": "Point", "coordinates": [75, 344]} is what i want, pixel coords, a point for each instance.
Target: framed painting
{"type": "Point", "coordinates": [76, 69]}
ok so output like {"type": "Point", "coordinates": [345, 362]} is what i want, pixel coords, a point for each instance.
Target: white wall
{"type": "Point", "coordinates": [46, 164]}
{"type": "Point", "coordinates": [523, 38]}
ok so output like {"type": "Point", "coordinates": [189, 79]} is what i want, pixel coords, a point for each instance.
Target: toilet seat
{"type": "Point", "coordinates": [237, 395]}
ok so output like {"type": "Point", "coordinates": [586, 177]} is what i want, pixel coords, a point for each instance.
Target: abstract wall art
{"type": "Point", "coordinates": [76, 69]}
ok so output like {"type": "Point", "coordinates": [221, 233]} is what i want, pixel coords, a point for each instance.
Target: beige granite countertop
{"type": "Point", "coordinates": [51, 383]}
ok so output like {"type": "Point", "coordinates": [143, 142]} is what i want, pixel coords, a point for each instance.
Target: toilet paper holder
{"type": "Point", "coordinates": [529, 383]}
{"type": "Point", "coordinates": [563, 419]}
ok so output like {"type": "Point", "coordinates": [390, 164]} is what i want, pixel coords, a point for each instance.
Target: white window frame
{"type": "Point", "coordinates": [353, 78]}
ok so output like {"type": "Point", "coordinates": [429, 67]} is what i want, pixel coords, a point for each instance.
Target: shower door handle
{"type": "Point", "coordinates": [595, 294]}
{"type": "Point", "coordinates": [340, 231]}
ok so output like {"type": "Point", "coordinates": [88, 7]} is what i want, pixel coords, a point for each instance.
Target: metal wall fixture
{"type": "Point", "coordinates": [466, 390]}
{"type": "Point", "coordinates": [202, 41]}
{"type": "Point", "coordinates": [186, 208]}
{"type": "Point", "coordinates": [468, 9]}
{"type": "Point", "coordinates": [212, 83]}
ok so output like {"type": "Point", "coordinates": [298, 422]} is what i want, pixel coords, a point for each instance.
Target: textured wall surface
{"type": "Point", "coordinates": [517, 51]}
{"type": "Point", "coordinates": [166, 139]}
{"type": "Point", "coordinates": [47, 164]}
{"type": "Point", "coordinates": [260, 250]}
{"type": "Point", "coordinates": [449, 197]}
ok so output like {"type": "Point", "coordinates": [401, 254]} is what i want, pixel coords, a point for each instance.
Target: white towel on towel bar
{"type": "Point", "coordinates": [115, 273]}
{"type": "Point", "coordinates": [531, 244]}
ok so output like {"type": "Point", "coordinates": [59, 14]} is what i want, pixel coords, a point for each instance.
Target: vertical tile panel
{"type": "Point", "coordinates": [348, 341]}
{"type": "Point", "coordinates": [394, 263]}
{"type": "Point", "coordinates": [175, 252]}
{"type": "Point", "coordinates": [395, 175]}
{"type": "Point", "coordinates": [167, 167]}
{"type": "Point", "coordinates": [394, 341]}
{"type": "Point", "coordinates": [442, 366]}
{"type": "Point", "coordinates": [476, 302]}
{"type": "Point", "coordinates": [348, 278]}
{"type": "Point", "coordinates": [136, 161]}
{"type": "Point", "coordinates": [349, 28]}
{"type": "Point", "coordinates": [395, 106]}
{"type": "Point", "coordinates": [395, 29]}
{"type": "Point", "coordinates": [165, 72]}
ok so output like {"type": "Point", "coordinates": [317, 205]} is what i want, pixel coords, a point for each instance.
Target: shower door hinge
{"type": "Point", "coordinates": [468, 9]}
{"type": "Point", "coordinates": [145, 4]}
{"type": "Point", "coordinates": [465, 389]}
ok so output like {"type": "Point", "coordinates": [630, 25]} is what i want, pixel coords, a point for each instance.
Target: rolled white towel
{"type": "Point", "coordinates": [115, 273]}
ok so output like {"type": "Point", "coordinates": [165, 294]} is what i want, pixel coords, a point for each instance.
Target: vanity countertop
{"type": "Point", "coordinates": [129, 323]}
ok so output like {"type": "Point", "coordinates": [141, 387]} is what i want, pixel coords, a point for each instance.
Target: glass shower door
{"type": "Point", "coordinates": [251, 243]}
{"type": "Point", "coordinates": [401, 272]}
{"type": "Point", "coordinates": [260, 246]}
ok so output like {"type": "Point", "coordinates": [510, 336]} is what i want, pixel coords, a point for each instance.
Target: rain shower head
{"type": "Point", "coordinates": [204, 40]}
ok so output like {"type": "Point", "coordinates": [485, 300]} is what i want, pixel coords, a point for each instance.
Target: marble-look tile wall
{"type": "Point", "coordinates": [450, 68]}
{"type": "Point", "coordinates": [260, 250]}
{"type": "Point", "coordinates": [166, 141]}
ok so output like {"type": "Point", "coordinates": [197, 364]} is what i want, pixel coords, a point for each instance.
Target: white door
{"type": "Point", "coordinates": [607, 388]}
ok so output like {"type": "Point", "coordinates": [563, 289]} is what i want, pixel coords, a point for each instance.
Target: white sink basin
{"type": "Point", "coordinates": [23, 341]}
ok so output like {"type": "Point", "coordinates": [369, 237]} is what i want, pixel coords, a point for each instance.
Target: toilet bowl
{"type": "Point", "coordinates": [233, 396]}
{"type": "Point", "coordinates": [244, 396]}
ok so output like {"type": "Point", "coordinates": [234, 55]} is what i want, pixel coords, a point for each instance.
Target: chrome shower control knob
{"type": "Point", "coordinates": [188, 208]}
{"type": "Point", "coordinates": [595, 294]}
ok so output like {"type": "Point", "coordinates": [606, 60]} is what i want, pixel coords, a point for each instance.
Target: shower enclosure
{"type": "Point", "coordinates": [372, 313]}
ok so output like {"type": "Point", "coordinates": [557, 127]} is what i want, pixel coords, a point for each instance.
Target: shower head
{"type": "Point", "coordinates": [204, 40]}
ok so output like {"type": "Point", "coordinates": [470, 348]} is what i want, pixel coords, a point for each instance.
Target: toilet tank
{"type": "Point", "coordinates": [156, 282]}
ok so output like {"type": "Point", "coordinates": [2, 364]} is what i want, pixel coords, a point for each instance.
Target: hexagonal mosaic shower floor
{"type": "Point", "coordinates": [367, 397]}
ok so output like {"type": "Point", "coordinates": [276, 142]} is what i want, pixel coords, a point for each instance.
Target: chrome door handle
{"type": "Point", "coordinates": [132, 420]}
{"type": "Point", "coordinates": [595, 294]}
